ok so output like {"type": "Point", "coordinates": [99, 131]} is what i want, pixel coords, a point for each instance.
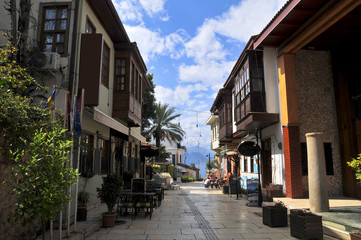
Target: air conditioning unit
{"type": "Point", "coordinates": [52, 61]}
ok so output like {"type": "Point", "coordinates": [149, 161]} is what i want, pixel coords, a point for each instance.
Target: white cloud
{"type": "Point", "coordinates": [151, 43]}
{"type": "Point", "coordinates": [128, 10]}
{"type": "Point", "coordinates": [210, 57]}
{"type": "Point", "coordinates": [212, 74]}
{"type": "Point", "coordinates": [153, 7]}
{"type": "Point", "coordinates": [181, 95]}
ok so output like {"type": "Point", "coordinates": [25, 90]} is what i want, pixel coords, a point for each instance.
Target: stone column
{"type": "Point", "coordinates": [317, 182]}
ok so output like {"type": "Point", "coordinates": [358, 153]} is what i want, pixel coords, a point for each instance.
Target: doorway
{"type": "Point", "coordinates": [266, 162]}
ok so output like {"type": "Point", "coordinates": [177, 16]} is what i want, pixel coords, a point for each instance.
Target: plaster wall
{"type": "Point", "coordinates": [317, 108]}
{"type": "Point", "coordinates": [273, 132]}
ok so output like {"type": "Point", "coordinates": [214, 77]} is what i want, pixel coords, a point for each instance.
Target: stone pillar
{"type": "Point", "coordinates": [317, 182]}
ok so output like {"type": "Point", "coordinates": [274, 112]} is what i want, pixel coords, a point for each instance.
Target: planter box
{"type": "Point", "coordinates": [274, 216]}
{"type": "Point", "coordinates": [355, 236]}
{"type": "Point", "coordinates": [306, 227]}
{"type": "Point", "coordinates": [81, 214]}
{"type": "Point", "coordinates": [269, 194]}
{"type": "Point", "coordinates": [225, 189]}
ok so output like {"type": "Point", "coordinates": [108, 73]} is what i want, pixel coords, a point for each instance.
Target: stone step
{"type": "Point", "coordinates": [334, 233]}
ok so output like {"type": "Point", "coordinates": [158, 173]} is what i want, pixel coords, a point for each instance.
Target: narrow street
{"type": "Point", "coordinates": [194, 212]}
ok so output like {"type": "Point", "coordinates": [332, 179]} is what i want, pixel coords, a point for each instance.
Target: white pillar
{"type": "Point", "coordinates": [317, 181]}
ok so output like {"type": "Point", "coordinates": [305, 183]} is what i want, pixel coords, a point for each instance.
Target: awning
{"type": "Point", "coordinates": [110, 122]}
{"type": "Point", "coordinates": [137, 135]}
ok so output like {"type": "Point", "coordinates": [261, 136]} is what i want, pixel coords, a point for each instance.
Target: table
{"type": "Point", "coordinates": [136, 201]}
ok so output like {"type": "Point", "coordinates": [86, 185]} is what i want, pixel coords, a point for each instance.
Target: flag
{"type": "Point", "coordinates": [77, 123]}
{"type": "Point", "coordinates": [50, 103]}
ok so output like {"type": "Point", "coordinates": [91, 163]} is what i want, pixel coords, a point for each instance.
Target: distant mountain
{"type": "Point", "coordinates": [191, 156]}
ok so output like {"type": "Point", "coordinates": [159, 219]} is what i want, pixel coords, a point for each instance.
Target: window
{"type": "Point", "coordinates": [252, 164]}
{"type": "Point", "coordinates": [245, 166]}
{"type": "Point", "coordinates": [105, 65]}
{"type": "Point", "coordinates": [328, 158]}
{"type": "Point", "coordinates": [120, 74]}
{"type": "Point", "coordinates": [86, 154]}
{"type": "Point", "coordinates": [89, 27]}
{"type": "Point", "coordinates": [105, 158]}
{"type": "Point", "coordinates": [54, 28]}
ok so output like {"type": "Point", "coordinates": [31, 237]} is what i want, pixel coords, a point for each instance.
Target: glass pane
{"type": "Point", "coordinates": [123, 71]}
{"type": "Point", "coordinates": [122, 87]}
{"type": "Point", "coordinates": [49, 25]}
{"type": "Point", "coordinates": [122, 80]}
{"type": "Point", "coordinates": [48, 48]}
{"type": "Point", "coordinates": [117, 62]}
{"type": "Point", "coordinates": [62, 13]}
{"type": "Point", "coordinates": [61, 25]}
{"type": "Point", "coordinates": [257, 85]}
{"type": "Point", "coordinates": [50, 13]}
{"type": "Point", "coordinates": [123, 62]}
{"type": "Point", "coordinates": [48, 38]}
{"type": "Point", "coordinates": [60, 48]}
{"type": "Point", "coordinates": [60, 38]}
{"type": "Point", "coordinates": [117, 71]}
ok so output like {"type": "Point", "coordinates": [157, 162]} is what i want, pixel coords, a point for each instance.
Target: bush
{"type": "Point", "coordinates": [187, 179]}
{"type": "Point", "coordinates": [355, 164]}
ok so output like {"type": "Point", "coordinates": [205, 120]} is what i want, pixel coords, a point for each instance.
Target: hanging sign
{"type": "Point", "coordinates": [248, 148]}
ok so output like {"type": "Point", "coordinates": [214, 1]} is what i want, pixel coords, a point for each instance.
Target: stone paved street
{"type": "Point", "coordinates": [196, 213]}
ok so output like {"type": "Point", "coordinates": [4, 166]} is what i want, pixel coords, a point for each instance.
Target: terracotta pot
{"type": "Point", "coordinates": [109, 219]}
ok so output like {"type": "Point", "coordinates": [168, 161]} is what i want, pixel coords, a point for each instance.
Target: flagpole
{"type": "Point", "coordinates": [78, 159]}
{"type": "Point", "coordinates": [71, 166]}
{"type": "Point", "coordinates": [65, 126]}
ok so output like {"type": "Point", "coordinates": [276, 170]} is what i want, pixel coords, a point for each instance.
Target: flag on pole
{"type": "Point", "coordinates": [77, 123]}
{"type": "Point", "coordinates": [50, 103]}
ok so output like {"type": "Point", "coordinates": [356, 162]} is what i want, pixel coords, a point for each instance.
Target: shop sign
{"type": "Point", "coordinates": [248, 148]}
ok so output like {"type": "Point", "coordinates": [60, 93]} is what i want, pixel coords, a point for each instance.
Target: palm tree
{"type": "Point", "coordinates": [163, 127]}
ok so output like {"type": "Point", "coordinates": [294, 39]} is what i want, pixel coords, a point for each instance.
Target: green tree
{"type": "Point", "coordinates": [163, 154]}
{"type": "Point", "coordinates": [355, 164]}
{"type": "Point", "coordinates": [148, 105]}
{"type": "Point", "coordinates": [37, 146]}
{"type": "Point", "coordinates": [39, 178]}
{"type": "Point", "coordinates": [163, 128]}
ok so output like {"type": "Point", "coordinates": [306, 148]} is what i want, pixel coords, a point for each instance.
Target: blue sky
{"type": "Point", "coordinates": [191, 46]}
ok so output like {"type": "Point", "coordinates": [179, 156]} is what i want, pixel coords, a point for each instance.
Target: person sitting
{"type": "Point", "coordinates": [216, 183]}
{"type": "Point", "coordinates": [207, 182]}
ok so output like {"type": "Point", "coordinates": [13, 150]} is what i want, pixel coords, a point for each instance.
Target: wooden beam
{"type": "Point", "coordinates": [328, 15]}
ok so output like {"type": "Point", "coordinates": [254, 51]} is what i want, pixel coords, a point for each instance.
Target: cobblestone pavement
{"type": "Point", "coordinates": [194, 212]}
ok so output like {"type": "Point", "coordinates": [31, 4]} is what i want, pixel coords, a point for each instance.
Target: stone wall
{"type": "Point", "coordinates": [317, 108]}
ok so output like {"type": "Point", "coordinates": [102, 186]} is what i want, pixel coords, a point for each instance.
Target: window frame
{"type": "Point", "coordinates": [120, 79]}
{"type": "Point", "coordinates": [42, 31]}
{"type": "Point", "coordinates": [105, 68]}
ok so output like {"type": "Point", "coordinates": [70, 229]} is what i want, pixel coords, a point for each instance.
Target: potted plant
{"type": "Point", "coordinates": [305, 225]}
{"type": "Point", "coordinates": [82, 211]}
{"type": "Point", "coordinates": [272, 190]}
{"type": "Point", "coordinates": [275, 216]}
{"type": "Point", "coordinates": [108, 193]}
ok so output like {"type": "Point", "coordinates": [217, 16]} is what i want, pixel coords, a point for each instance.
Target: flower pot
{"type": "Point", "coordinates": [306, 227]}
{"type": "Point", "coordinates": [81, 214]}
{"type": "Point", "coordinates": [109, 219]}
{"type": "Point", "coordinates": [274, 216]}
{"type": "Point", "coordinates": [225, 189]}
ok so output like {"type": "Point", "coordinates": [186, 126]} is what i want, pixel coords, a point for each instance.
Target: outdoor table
{"type": "Point", "coordinates": [136, 201]}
